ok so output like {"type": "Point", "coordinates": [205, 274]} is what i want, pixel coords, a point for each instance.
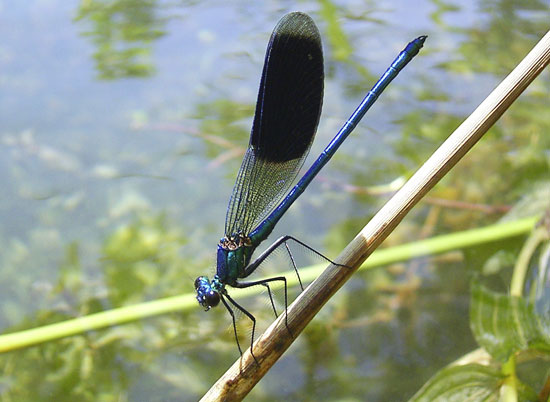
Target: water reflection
{"type": "Point", "coordinates": [123, 33]}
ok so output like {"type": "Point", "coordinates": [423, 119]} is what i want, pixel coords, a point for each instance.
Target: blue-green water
{"type": "Point", "coordinates": [122, 127]}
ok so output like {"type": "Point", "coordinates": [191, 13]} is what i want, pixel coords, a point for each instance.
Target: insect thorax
{"type": "Point", "coordinates": [234, 253]}
{"type": "Point", "coordinates": [234, 241]}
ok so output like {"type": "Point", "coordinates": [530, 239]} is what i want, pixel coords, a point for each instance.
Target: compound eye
{"type": "Point", "coordinates": [212, 298]}
{"type": "Point", "coordinates": [198, 282]}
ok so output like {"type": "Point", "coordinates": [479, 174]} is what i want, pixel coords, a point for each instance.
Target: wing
{"type": "Point", "coordinates": [286, 118]}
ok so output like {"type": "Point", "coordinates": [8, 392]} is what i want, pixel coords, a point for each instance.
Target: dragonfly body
{"type": "Point", "coordinates": [287, 113]}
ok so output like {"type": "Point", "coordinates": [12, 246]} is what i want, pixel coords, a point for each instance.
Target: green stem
{"type": "Point", "coordinates": [187, 302]}
{"type": "Point", "coordinates": [509, 391]}
{"type": "Point", "coordinates": [538, 236]}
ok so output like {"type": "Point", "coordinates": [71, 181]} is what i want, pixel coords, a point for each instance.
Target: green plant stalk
{"type": "Point", "coordinates": [538, 236]}
{"type": "Point", "coordinates": [508, 391]}
{"type": "Point", "coordinates": [436, 245]}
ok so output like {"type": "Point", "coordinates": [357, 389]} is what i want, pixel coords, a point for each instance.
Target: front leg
{"type": "Point", "coordinates": [248, 314]}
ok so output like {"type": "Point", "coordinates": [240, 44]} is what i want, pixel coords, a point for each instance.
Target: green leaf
{"type": "Point", "coordinates": [471, 382]}
{"type": "Point", "coordinates": [503, 324]}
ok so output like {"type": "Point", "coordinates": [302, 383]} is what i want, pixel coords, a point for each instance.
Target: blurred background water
{"type": "Point", "coordinates": [123, 124]}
